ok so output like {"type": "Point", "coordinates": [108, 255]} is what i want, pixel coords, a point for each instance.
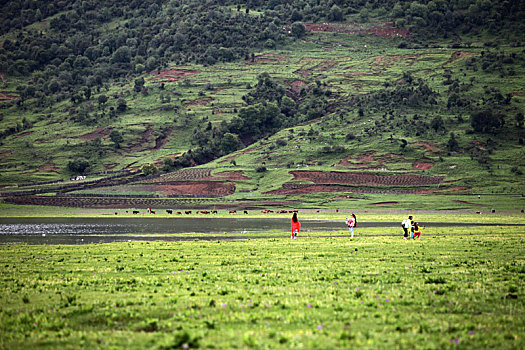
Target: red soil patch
{"type": "Point", "coordinates": [366, 157]}
{"type": "Point", "coordinates": [381, 29]}
{"type": "Point", "coordinates": [162, 140]}
{"type": "Point", "coordinates": [298, 85]}
{"type": "Point", "coordinates": [200, 102]}
{"type": "Point", "coordinates": [197, 188]}
{"type": "Point", "coordinates": [3, 96]}
{"type": "Point", "coordinates": [232, 175]}
{"type": "Point", "coordinates": [174, 75]}
{"type": "Point", "coordinates": [427, 146]}
{"type": "Point", "coordinates": [24, 134]}
{"type": "Point", "coordinates": [100, 133]}
{"type": "Point", "coordinates": [365, 179]}
{"type": "Point", "coordinates": [48, 167]}
{"type": "Point", "coordinates": [422, 165]}
{"type": "Point", "coordinates": [5, 153]}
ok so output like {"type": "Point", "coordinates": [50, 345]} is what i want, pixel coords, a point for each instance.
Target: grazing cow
{"type": "Point", "coordinates": [214, 211]}
{"type": "Point", "coordinates": [246, 212]}
{"type": "Point", "coordinates": [116, 213]}
{"type": "Point", "coordinates": [317, 211]}
{"type": "Point", "coordinates": [204, 212]}
{"type": "Point", "coordinates": [187, 212]}
{"type": "Point", "coordinates": [337, 210]}
{"type": "Point", "coordinates": [169, 211]}
{"type": "Point", "coordinates": [135, 211]}
{"type": "Point", "coordinates": [179, 213]}
{"type": "Point", "coordinates": [233, 211]}
{"type": "Point", "coordinates": [152, 212]}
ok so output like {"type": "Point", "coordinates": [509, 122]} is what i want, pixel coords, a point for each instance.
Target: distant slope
{"type": "Point", "coordinates": [345, 99]}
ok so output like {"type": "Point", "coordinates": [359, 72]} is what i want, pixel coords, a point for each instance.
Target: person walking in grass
{"type": "Point", "coordinates": [296, 226]}
{"type": "Point", "coordinates": [351, 223]}
{"type": "Point", "coordinates": [406, 224]}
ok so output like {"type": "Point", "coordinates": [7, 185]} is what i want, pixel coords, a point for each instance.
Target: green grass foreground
{"type": "Point", "coordinates": [460, 290]}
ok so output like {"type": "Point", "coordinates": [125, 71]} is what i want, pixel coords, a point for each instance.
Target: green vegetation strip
{"type": "Point", "coordinates": [374, 292]}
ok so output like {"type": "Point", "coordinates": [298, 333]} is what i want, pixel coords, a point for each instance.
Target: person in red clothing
{"type": "Point", "coordinates": [296, 226]}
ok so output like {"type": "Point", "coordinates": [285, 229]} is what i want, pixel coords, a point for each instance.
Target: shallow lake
{"type": "Point", "coordinates": [103, 230]}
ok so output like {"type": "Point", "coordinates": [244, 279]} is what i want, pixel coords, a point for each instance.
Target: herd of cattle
{"type": "Point", "coordinates": [188, 212]}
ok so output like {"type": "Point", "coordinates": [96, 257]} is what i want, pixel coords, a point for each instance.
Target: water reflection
{"type": "Point", "coordinates": [102, 230]}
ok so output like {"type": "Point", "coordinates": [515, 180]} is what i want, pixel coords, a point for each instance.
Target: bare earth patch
{"type": "Point", "coordinates": [100, 133]}
{"type": "Point", "coordinates": [423, 164]}
{"type": "Point", "coordinates": [174, 75]}
{"type": "Point", "coordinates": [367, 179]}
{"type": "Point", "coordinates": [200, 102]}
{"type": "Point", "coordinates": [197, 188]}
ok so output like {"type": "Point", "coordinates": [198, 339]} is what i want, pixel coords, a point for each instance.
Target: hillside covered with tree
{"type": "Point", "coordinates": [264, 86]}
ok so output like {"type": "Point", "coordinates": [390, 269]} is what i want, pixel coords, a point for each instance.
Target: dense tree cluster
{"type": "Point", "coordinates": [268, 110]}
{"type": "Point", "coordinates": [88, 42]}
{"type": "Point", "coordinates": [78, 49]}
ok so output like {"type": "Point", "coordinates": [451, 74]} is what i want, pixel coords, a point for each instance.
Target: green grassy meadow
{"type": "Point", "coordinates": [461, 290]}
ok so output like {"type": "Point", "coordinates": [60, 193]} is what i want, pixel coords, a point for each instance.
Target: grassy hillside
{"type": "Point", "coordinates": [407, 111]}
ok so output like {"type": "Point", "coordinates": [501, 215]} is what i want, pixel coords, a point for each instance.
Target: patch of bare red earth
{"type": "Point", "coordinates": [200, 102]}
{"type": "Point", "coordinates": [370, 179]}
{"type": "Point", "coordinates": [423, 164]}
{"type": "Point", "coordinates": [48, 167]}
{"type": "Point", "coordinates": [5, 97]}
{"type": "Point", "coordinates": [174, 75]}
{"type": "Point", "coordinates": [323, 182]}
{"type": "Point", "coordinates": [98, 133]}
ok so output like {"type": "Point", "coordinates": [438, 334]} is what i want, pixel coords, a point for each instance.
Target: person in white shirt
{"type": "Point", "coordinates": [406, 224]}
